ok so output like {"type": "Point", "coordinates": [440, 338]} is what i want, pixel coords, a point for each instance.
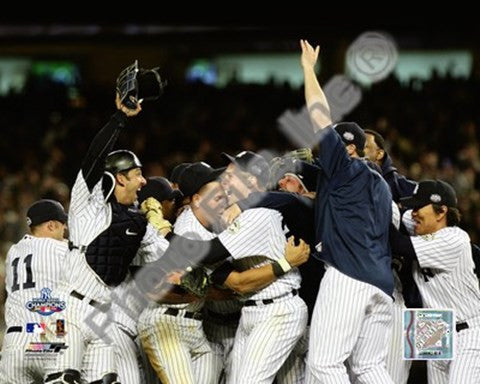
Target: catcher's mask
{"type": "Point", "coordinates": [139, 84]}
{"type": "Point", "coordinates": [121, 161]}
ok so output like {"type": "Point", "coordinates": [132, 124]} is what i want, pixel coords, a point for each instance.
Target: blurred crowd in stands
{"type": "Point", "coordinates": [431, 129]}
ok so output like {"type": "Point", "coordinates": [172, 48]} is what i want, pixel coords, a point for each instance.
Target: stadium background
{"type": "Point", "coordinates": [228, 84]}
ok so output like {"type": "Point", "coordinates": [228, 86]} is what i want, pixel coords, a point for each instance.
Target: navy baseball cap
{"type": "Point", "coordinates": [196, 175]}
{"type": "Point", "coordinates": [45, 210]}
{"type": "Point", "coordinates": [252, 163]}
{"type": "Point", "coordinates": [431, 192]}
{"type": "Point", "coordinates": [159, 188]}
{"type": "Point", "coordinates": [177, 172]}
{"type": "Point", "coordinates": [305, 173]}
{"type": "Point", "coordinates": [351, 133]}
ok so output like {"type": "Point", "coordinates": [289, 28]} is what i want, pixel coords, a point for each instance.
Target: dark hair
{"type": "Point", "coordinates": [453, 214]}
{"type": "Point", "coordinates": [377, 137]}
{"type": "Point", "coordinates": [360, 152]}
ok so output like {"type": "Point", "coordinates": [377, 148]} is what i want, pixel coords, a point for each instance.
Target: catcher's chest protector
{"type": "Point", "coordinates": [110, 254]}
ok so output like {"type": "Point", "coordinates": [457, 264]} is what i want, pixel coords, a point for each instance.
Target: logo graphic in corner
{"type": "Point", "coordinates": [38, 328]}
{"type": "Point", "coordinates": [45, 305]}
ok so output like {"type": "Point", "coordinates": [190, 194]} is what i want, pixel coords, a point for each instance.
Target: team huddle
{"type": "Point", "coordinates": [290, 271]}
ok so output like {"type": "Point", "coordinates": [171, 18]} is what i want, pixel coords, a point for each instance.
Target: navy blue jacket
{"type": "Point", "coordinates": [399, 185]}
{"type": "Point", "coordinates": [353, 213]}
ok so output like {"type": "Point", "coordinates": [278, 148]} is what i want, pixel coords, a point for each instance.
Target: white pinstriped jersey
{"type": "Point", "coordinates": [90, 215]}
{"type": "Point", "coordinates": [32, 264]}
{"type": "Point", "coordinates": [445, 272]}
{"type": "Point", "coordinates": [259, 231]}
{"type": "Point", "coordinates": [187, 225]}
{"type": "Point", "coordinates": [395, 215]}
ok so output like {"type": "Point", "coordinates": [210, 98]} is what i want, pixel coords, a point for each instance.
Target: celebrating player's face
{"type": "Point", "coordinates": [426, 220]}
{"type": "Point", "coordinates": [130, 183]}
{"type": "Point", "coordinates": [371, 148]}
{"type": "Point", "coordinates": [290, 183]}
{"type": "Point", "coordinates": [236, 184]}
{"type": "Point", "coordinates": [212, 203]}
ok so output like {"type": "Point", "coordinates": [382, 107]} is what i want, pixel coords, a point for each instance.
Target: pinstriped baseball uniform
{"type": "Point", "coordinates": [32, 265]}
{"type": "Point", "coordinates": [90, 215]}
{"type": "Point", "coordinates": [177, 346]}
{"type": "Point", "coordinates": [293, 370]}
{"type": "Point", "coordinates": [220, 322]}
{"type": "Point", "coordinates": [446, 279]}
{"type": "Point", "coordinates": [273, 318]}
{"type": "Point", "coordinates": [126, 313]}
{"type": "Point", "coordinates": [397, 367]}
{"type": "Point", "coordinates": [353, 312]}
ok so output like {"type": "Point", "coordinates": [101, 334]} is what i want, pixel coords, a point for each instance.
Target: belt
{"type": "Point", "coordinates": [14, 329]}
{"type": "Point", "coordinates": [250, 303]}
{"type": "Point", "coordinates": [81, 248]}
{"type": "Point", "coordinates": [179, 313]}
{"type": "Point", "coordinates": [230, 318]}
{"type": "Point", "coordinates": [93, 303]}
{"type": "Point", "coordinates": [461, 326]}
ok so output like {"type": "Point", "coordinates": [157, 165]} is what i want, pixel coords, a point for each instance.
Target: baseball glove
{"type": "Point", "coordinates": [196, 281]}
{"type": "Point", "coordinates": [152, 209]}
{"type": "Point", "coordinates": [135, 85]}
{"type": "Point", "coordinates": [304, 154]}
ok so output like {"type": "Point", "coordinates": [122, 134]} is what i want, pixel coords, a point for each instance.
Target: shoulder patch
{"type": "Point", "coordinates": [234, 227]}
{"type": "Point", "coordinates": [428, 237]}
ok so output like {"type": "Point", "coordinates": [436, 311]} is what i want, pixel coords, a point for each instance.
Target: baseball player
{"type": "Point", "coordinates": [259, 351]}
{"type": "Point", "coordinates": [299, 178]}
{"type": "Point", "coordinates": [444, 273]}
{"type": "Point", "coordinates": [106, 233]}
{"type": "Point", "coordinates": [405, 287]}
{"type": "Point", "coordinates": [375, 151]}
{"type": "Point", "coordinates": [353, 311]}
{"type": "Point", "coordinates": [34, 310]}
{"type": "Point", "coordinates": [171, 331]}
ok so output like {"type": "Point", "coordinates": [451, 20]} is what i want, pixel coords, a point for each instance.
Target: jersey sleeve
{"type": "Point", "coordinates": [83, 197]}
{"type": "Point", "coordinates": [256, 232]}
{"type": "Point", "coordinates": [332, 155]}
{"type": "Point", "coordinates": [440, 250]}
{"type": "Point", "coordinates": [152, 247]}
{"type": "Point", "coordinates": [408, 222]}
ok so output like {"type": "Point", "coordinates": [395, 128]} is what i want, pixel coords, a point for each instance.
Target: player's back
{"type": "Point", "coordinates": [34, 270]}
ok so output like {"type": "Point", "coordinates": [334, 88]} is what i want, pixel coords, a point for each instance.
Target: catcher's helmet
{"type": "Point", "coordinates": [120, 161]}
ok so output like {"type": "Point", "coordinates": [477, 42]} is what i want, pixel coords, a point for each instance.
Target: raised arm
{"type": "Point", "coordinates": [94, 161]}
{"type": "Point", "coordinates": [316, 100]}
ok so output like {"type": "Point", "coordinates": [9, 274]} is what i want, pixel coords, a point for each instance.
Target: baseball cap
{"type": "Point", "coordinates": [45, 210]}
{"type": "Point", "coordinates": [159, 188]}
{"type": "Point", "coordinates": [304, 172]}
{"type": "Point", "coordinates": [177, 172]}
{"type": "Point", "coordinates": [252, 163]}
{"type": "Point", "coordinates": [351, 133]}
{"type": "Point", "coordinates": [196, 175]}
{"type": "Point", "coordinates": [431, 192]}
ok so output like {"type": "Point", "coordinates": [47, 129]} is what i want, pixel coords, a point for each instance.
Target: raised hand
{"type": "Point", "coordinates": [309, 54]}
{"type": "Point", "coordinates": [127, 111]}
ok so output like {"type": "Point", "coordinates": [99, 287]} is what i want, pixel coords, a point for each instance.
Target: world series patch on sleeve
{"type": "Point", "coordinates": [428, 334]}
